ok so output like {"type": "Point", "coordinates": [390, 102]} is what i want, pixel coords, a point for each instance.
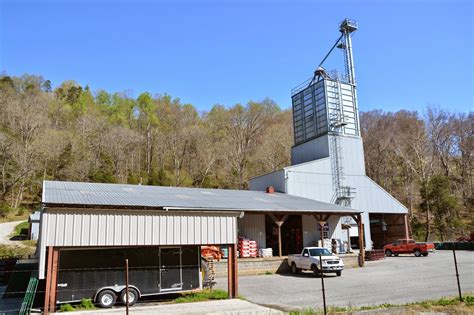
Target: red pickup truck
{"type": "Point", "coordinates": [405, 246]}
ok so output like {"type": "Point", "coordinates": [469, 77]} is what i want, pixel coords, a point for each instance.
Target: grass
{"type": "Point", "coordinates": [443, 304]}
{"type": "Point", "coordinates": [205, 295]}
{"type": "Point", "coordinates": [20, 228]}
{"type": "Point", "coordinates": [86, 304]}
{"type": "Point", "coordinates": [8, 214]}
{"type": "Point", "coordinates": [9, 250]}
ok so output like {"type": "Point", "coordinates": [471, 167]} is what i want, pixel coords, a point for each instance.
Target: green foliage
{"type": "Point", "coordinates": [86, 304]}
{"type": "Point", "coordinates": [440, 201]}
{"type": "Point", "coordinates": [9, 251]}
{"type": "Point", "coordinates": [469, 300]}
{"type": "Point", "coordinates": [105, 172]}
{"type": "Point", "coordinates": [21, 228]}
{"type": "Point", "coordinates": [159, 178]}
{"type": "Point", "coordinates": [66, 308]}
{"type": "Point", "coordinates": [204, 295]}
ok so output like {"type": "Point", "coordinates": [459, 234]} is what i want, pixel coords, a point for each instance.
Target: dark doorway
{"type": "Point", "coordinates": [291, 235]}
{"type": "Point", "coordinates": [386, 228]}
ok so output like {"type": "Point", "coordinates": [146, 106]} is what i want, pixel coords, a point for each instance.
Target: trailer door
{"type": "Point", "coordinates": [170, 269]}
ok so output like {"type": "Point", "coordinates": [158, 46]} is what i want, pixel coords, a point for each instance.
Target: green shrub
{"type": "Point", "coordinates": [66, 308]}
{"type": "Point", "coordinates": [87, 304]}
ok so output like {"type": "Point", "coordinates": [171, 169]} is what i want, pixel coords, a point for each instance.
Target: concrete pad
{"type": "Point", "coordinates": [394, 280]}
{"type": "Point", "coordinates": [229, 307]}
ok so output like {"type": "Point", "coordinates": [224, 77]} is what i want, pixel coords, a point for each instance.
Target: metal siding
{"type": "Point", "coordinates": [253, 226]}
{"type": "Point", "coordinates": [110, 229]}
{"type": "Point", "coordinates": [311, 150]}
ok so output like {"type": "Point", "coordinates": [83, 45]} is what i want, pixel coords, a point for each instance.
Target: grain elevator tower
{"type": "Point", "coordinates": [326, 119]}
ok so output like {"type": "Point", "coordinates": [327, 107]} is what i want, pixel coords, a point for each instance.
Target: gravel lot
{"type": "Point", "coordinates": [395, 280]}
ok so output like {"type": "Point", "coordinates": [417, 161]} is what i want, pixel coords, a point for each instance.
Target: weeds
{"type": "Point", "coordinates": [447, 303]}
{"type": "Point", "coordinates": [205, 295]}
{"type": "Point", "coordinates": [86, 304]}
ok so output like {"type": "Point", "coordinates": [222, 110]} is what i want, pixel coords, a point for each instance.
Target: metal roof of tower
{"type": "Point", "coordinates": [79, 194]}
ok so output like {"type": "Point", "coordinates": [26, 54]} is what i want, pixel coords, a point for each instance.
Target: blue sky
{"type": "Point", "coordinates": [408, 54]}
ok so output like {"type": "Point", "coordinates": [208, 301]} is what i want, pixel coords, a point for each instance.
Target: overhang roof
{"type": "Point", "coordinates": [95, 195]}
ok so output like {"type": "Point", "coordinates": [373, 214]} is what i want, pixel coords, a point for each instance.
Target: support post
{"type": "Point", "coordinates": [232, 277]}
{"type": "Point", "coordinates": [361, 240]}
{"type": "Point", "coordinates": [279, 223]}
{"type": "Point", "coordinates": [51, 280]}
{"type": "Point", "coordinates": [47, 290]}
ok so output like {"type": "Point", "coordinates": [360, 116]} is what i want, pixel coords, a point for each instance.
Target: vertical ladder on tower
{"type": "Point", "coordinates": [343, 194]}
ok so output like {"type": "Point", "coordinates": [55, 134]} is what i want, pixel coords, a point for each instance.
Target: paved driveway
{"type": "Point", "coordinates": [7, 228]}
{"type": "Point", "coordinates": [395, 280]}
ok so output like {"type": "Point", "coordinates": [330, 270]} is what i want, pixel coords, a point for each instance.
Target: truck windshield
{"type": "Point", "coordinates": [319, 252]}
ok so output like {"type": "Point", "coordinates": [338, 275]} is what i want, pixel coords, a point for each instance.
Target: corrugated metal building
{"type": "Point", "coordinates": [85, 217]}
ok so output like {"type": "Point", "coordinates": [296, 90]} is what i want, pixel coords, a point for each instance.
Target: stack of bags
{"type": "Point", "coordinates": [247, 247]}
{"type": "Point", "coordinates": [265, 252]}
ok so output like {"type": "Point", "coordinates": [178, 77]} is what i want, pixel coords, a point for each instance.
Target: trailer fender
{"type": "Point", "coordinates": [117, 289]}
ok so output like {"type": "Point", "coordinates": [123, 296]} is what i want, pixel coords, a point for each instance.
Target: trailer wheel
{"type": "Point", "coordinates": [106, 298]}
{"type": "Point", "coordinates": [132, 296]}
{"type": "Point", "coordinates": [417, 252]}
{"type": "Point", "coordinates": [388, 253]}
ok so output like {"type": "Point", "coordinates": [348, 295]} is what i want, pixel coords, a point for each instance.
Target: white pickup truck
{"type": "Point", "coordinates": [309, 260]}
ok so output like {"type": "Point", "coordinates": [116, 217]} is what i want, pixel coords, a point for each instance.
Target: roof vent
{"type": "Point", "coordinates": [270, 190]}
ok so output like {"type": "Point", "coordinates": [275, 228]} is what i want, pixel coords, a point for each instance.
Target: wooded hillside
{"type": "Point", "coordinates": [72, 133]}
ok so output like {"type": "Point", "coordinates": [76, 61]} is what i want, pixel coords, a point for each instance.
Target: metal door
{"type": "Point", "coordinates": [170, 269]}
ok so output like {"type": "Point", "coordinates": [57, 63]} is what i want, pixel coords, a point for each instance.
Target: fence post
{"type": "Point", "coordinates": [457, 273]}
{"type": "Point", "coordinates": [322, 283]}
{"type": "Point", "coordinates": [126, 286]}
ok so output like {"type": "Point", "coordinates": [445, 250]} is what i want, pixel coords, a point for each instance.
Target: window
{"type": "Point", "coordinates": [305, 252]}
{"type": "Point", "coordinates": [320, 252]}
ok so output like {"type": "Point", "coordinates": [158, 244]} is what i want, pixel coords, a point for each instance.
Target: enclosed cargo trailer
{"type": "Point", "coordinates": [99, 273]}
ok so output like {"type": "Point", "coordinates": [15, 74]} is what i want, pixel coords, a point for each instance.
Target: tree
{"type": "Point", "coordinates": [437, 198]}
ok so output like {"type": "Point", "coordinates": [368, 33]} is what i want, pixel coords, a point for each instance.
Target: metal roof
{"type": "Point", "coordinates": [78, 194]}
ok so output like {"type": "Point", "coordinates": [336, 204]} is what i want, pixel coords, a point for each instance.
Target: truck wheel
{"type": "Point", "coordinates": [315, 270]}
{"type": "Point", "coordinates": [106, 298]}
{"type": "Point", "coordinates": [294, 269]}
{"type": "Point", "coordinates": [417, 253]}
{"type": "Point", "coordinates": [338, 273]}
{"type": "Point", "coordinates": [132, 296]}
{"type": "Point", "coordinates": [388, 253]}
{"type": "Point", "coordinates": [424, 254]}
{"type": "Point", "coordinates": [396, 254]}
